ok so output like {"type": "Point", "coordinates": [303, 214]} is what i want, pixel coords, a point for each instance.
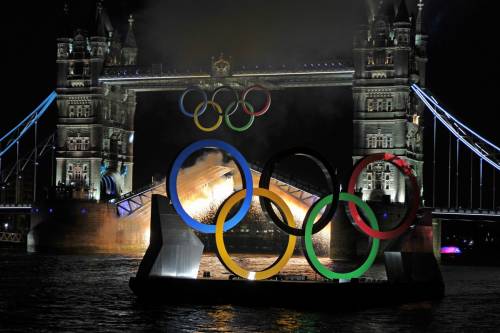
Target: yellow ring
{"type": "Point", "coordinates": [217, 108]}
{"type": "Point", "coordinates": [226, 259]}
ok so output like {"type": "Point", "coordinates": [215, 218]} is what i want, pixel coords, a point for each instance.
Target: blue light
{"type": "Point", "coordinates": [37, 116]}
{"type": "Point", "coordinates": [83, 211]}
{"type": "Point", "coordinates": [385, 216]}
{"type": "Point", "coordinates": [29, 116]}
{"type": "Point", "coordinates": [51, 210]}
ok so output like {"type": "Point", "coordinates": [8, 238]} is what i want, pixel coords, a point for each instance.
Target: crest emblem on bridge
{"type": "Point", "coordinates": [221, 67]}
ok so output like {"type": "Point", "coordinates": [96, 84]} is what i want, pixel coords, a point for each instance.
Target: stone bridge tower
{"type": "Point", "coordinates": [95, 126]}
{"type": "Point", "coordinates": [389, 56]}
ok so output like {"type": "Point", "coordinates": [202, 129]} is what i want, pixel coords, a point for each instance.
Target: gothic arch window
{"type": "Point", "coordinates": [86, 70]}
{"type": "Point", "coordinates": [389, 105]}
{"type": "Point", "coordinates": [77, 174]}
{"type": "Point", "coordinates": [379, 140]}
{"type": "Point", "coordinates": [389, 59]}
{"type": "Point", "coordinates": [370, 105]}
{"type": "Point", "coordinates": [78, 143]}
{"type": "Point", "coordinates": [370, 60]}
{"type": "Point", "coordinates": [380, 105]}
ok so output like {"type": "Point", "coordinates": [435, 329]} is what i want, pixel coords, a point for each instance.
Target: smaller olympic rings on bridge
{"type": "Point", "coordinates": [229, 110]}
{"type": "Point", "coordinates": [267, 104]}
{"type": "Point", "coordinates": [411, 212]}
{"type": "Point", "coordinates": [307, 243]}
{"type": "Point", "coordinates": [217, 108]}
{"type": "Point", "coordinates": [247, 183]}
{"type": "Point", "coordinates": [331, 181]}
{"type": "Point", "coordinates": [203, 108]}
{"type": "Point", "coordinates": [224, 256]}
{"type": "Point", "coordinates": [227, 114]}
{"type": "Point", "coordinates": [231, 90]}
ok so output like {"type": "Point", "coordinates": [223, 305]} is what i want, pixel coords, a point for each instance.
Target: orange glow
{"type": "Point", "coordinates": [203, 187]}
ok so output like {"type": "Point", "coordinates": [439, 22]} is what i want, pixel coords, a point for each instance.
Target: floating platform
{"type": "Point", "coordinates": [168, 274]}
{"type": "Point", "coordinates": [315, 295]}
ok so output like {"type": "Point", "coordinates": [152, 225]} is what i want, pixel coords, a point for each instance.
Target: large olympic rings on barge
{"type": "Point", "coordinates": [309, 226]}
{"type": "Point", "coordinates": [232, 107]}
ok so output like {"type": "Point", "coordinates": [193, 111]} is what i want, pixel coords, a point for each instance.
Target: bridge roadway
{"type": "Point", "coordinates": [140, 80]}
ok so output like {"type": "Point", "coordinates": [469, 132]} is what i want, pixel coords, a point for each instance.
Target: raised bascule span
{"type": "Point", "coordinates": [140, 200]}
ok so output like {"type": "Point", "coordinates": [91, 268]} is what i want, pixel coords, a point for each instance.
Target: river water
{"type": "Point", "coordinates": [90, 293]}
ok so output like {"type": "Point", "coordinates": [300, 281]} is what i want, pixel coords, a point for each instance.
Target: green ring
{"type": "Point", "coordinates": [309, 249]}
{"type": "Point", "coordinates": [228, 122]}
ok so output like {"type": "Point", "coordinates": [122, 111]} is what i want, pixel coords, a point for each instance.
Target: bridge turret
{"type": "Point", "coordinates": [129, 51]}
{"type": "Point", "coordinates": [383, 110]}
{"type": "Point", "coordinates": [402, 26]}
{"type": "Point", "coordinates": [421, 45]}
{"type": "Point", "coordinates": [98, 42]}
{"type": "Point", "coordinates": [64, 45]}
{"type": "Point", "coordinates": [381, 27]}
{"type": "Point", "coordinates": [115, 50]}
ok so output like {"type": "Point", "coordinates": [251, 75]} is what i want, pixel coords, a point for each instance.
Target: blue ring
{"type": "Point", "coordinates": [247, 184]}
{"type": "Point", "coordinates": [181, 101]}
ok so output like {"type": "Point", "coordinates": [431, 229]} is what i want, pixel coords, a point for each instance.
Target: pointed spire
{"type": "Point", "coordinates": [364, 17]}
{"type": "Point", "coordinates": [65, 29]}
{"type": "Point", "coordinates": [389, 10]}
{"type": "Point", "coordinates": [130, 39]}
{"type": "Point", "coordinates": [420, 18]}
{"type": "Point", "coordinates": [403, 15]}
{"type": "Point", "coordinates": [100, 25]}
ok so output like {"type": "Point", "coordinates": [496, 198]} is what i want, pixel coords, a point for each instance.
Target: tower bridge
{"type": "Point", "coordinates": [98, 79]}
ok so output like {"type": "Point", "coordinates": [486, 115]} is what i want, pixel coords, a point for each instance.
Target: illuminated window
{"type": "Point", "coordinates": [370, 105]}
{"type": "Point", "coordinates": [389, 60]}
{"type": "Point", "coordinates": [78, 143]}
{"type": "Point", "coordinates": [379, 140]}
{"type": "Point", "coordinates": [371, 61]}
{"type": "Point", "coordinates": [77, 174]}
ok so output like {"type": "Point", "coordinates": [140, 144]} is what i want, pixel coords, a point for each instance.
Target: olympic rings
{"type": "Point", "coordinates": [411, 212]}
{"type": "Point", "coordinates": [229, 110]}
{"type": "Point", "coordinates": [236, 97]}
{"type": "Point", "coordinates": [227, 114]}
{"type": "Point", "coordinates": [205, 101]}
{"type": "Point", "coordinates": [308, 226]}
{"type": "Point", "coordinates": [226, 259]}
{"type": "Point", "coordinates": [247, 184]}
{"type": "Point", "coordinates": [266, 106]}
{"type": "Point", "coordinates": [307, 244]}
{"type": "Point", "coordinates": [331, 181]}
{"type": "Point", "coordinates": [219, 117]}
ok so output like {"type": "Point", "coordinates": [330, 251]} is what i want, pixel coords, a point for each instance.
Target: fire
{"type": "Point", "coordinates": [203, 188]}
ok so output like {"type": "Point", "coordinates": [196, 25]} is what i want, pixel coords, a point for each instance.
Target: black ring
{"type": "Point", "coordinates": [227, 88]}
{"type": "Point", "coordinates": [331, 181]}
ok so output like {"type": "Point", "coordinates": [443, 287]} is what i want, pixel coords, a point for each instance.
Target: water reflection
{"type": "Point", "coordinates": [90, 293]}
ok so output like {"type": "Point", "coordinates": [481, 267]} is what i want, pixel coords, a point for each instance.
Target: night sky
{"type": "Point", "coordinates": [185, 34]}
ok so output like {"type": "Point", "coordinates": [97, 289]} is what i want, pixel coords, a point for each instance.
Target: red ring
{"type": "Point", "coordinates": [267, 105]}
{"type": "Point", "coordinates": [411, 213]}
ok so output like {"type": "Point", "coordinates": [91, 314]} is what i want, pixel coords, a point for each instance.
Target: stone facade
{"type": "Point", "coordinates": [389, 55]}
{"type": "Point", "coordinates": [95, 128]}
